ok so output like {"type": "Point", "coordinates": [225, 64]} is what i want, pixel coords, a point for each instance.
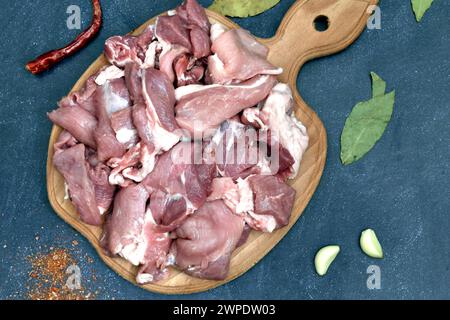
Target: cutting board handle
{"type": "Point", "coordinates": [298, 40]}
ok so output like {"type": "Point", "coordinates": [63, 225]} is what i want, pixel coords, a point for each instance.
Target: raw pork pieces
{"type": "Point", "coordinates": [181, 145]}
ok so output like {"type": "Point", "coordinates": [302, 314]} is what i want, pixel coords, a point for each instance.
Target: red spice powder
{"type": "Point", "coordinates": [48, 277]}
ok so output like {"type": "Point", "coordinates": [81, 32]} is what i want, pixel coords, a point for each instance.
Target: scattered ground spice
{"type": "Point", "coordinates": [48, 277]}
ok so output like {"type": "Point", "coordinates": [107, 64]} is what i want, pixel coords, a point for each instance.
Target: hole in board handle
{"type": "Point", "coordinates": [321, 23]}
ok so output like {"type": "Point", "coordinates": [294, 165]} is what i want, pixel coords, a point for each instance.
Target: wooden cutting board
{"type": "Point", "coordinates": [295, 42]}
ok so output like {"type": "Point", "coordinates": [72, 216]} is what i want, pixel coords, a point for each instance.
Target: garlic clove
{"type": "Point", "coordinates": [324, 258]}
{"type": "Point", "coordinates": [370, 245]}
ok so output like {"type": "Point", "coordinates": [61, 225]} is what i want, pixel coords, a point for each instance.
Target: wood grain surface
{"type": "Point", "coordinates": [295, 42]}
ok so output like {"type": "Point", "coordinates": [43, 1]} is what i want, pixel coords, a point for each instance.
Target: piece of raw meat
{"type": "Point", "coordinates": [135, 165]}
{"type": "Point", "coordinates": [206, 240]}
{"type": "Point", "coordinates": [80, 123]}
{"type": "Point", "coordinates": [167, 58]}
{"type": "Point", "coordinates": [104, 192]}
{"type": "Point", "coordinates": [83, 98]}
{"type": "Point", "coordinates": [235, 151]}
{"type": "Point", "coordinates": [153, 266]}
{"type": "Point", "coordinates": [240, 150]}
{"type": "Point", "coordinates": [216, 30]}
{"type": "Point", "coordinates": [72, 164]}
{"type": "Point", "coordinates": [133, 80]}
{"type": "Point", "coordinates": [171, 30]}
{"type": "Point", "coordinates": [109, 73]}
{"type": "Point", "coordinates": [78, 111]}
{"type": "Point", "coordinates": [122, 124]}
{"type": "Point", "coordinates": [237, 195]}
{"type": "Point", "coordinates": [123, 230]}
{"type": "Point", "coordinates": [188, 70]}
{"type": "Point", "coordinates": [224, 188]}
{"type": "Point", "coordinates": [147, 160]}
{"type": "Point", "coordinates": [273, 202]}
{"type": "Point", "coordinates": [65, 141]}
{"type": "Point", "coordinates": [159, 96]}
{"type": "Point", "coordinates": [160, 124]}
{"type": "Point", "coordinates": [122, 50]}
{"type": "Point", "coordinates": [284, 131]}
{"type": "Point", "coordinates": [238, 56]}
{"type": "Point", "coordinates": [110, 98]}
{"type": "Point", "coordinates": [201, 45]}
{"type": "Point", "coordinates": [130, 232]}
{"type": "Point", "coordinates": [184, 31]}
{"type": "Point", "coordinates": [201, 109]}
{"type": "Point", "coordinates": [97, 171]}
{"type": "Point", "coordinates": [264, 201]}
{"type": "Point", "coordinates": [179, 183]}
{"type": "Point", "coordinates": [155, 121]}
{"type": "Point", "coordinates": [193, 14]}
{"type": "Point", "coordinates": [130, 159]}
{"type": "Point", "coordinates": [152, 55]}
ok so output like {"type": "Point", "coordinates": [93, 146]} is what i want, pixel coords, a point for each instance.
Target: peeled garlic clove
{"type": "Point", "coordinates": [370, 245]}
{"type": "Point", "coordinates": [324, 258]}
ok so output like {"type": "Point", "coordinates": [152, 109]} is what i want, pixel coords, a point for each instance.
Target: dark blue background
{"type": "Point", "coordinates": [401, 188]}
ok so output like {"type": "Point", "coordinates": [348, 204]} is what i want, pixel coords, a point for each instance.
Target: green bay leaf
{"type": "Point", "coordinates": [242, 8]}
{"type": "Point", "coordinates": [420, 7]}
{"type": "Point", "coordinates": [365, 126]}
{"type": "Point", "coordinates": [378, 85]}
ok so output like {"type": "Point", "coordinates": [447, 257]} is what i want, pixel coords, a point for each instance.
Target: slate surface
{"type": "Point", "coordinates": [401, 189]}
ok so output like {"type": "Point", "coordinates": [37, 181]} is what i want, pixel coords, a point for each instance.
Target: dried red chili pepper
{"type": "Point", "coordinates": [49, 59]}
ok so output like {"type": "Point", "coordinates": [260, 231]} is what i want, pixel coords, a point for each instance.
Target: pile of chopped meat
{"type": "Point", "coordinates": [181, 146]}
